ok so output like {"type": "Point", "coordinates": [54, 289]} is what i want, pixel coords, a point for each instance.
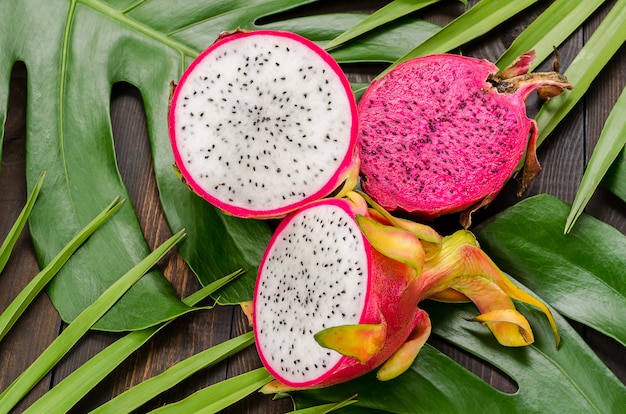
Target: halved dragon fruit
{"type": "Point", "coordinates": [442, 133]}
{"type": "Point", "coordinates": [321, 280]}
{"type": "Point", "coordinates": [263, 122]}
{"type": "Point", "coordinates": [338, 287]}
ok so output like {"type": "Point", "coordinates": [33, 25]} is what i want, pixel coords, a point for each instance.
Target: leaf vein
{"type": "Point", "coordinates": [120, 16]}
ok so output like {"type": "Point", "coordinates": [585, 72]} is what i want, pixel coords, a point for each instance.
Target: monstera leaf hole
{"type": "Point", "coordinates": [15, 123]}
{"type": "Point", "coordinates": [11, 151]}
{"type": "Point", "coordinates": [130, 135]}
{"type": "Point", "coordinates": [489, 373]}
{"type": "Point", "coordinates": [12, 148]}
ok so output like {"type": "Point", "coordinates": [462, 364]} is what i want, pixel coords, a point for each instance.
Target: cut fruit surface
{"type": "Point", "coordinates": [263, 122]}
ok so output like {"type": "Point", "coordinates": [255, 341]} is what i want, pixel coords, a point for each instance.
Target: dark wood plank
{"type": "Point", "coordinates": [563, 157]}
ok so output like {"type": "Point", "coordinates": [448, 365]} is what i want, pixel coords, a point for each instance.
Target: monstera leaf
{"type": "Point", "coordinates": [74, 52]}
{"type": "Point", "coordinates": [574, 272]}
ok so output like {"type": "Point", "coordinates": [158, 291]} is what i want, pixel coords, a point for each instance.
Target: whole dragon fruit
{"type": "Point", "coordinates": [263, 122]}
{"type": "Point", "coordinates": [338, 287]}
{"type": "Point", "coordinates": [442, 133]}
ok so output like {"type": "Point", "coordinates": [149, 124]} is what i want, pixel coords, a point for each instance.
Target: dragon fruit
{"type": "Point", "coordinates": [263, 122]}
{"type": "Point", "coordinates": [321, 280]}
{"type": "Point", "coordinates": [338, 287]}
{"type": "Point", "coordinates": [442, 133]}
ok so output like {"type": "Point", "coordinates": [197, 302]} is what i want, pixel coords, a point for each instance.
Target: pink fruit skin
{"type": "Point", "coordinates": [416, 140]}
{"type": "Point", "coordinates": [388, 299]}
{"type": "Point", "coordinates": [350, 158]}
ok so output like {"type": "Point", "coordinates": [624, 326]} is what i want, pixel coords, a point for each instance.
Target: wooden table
{"type": "Point", "coordinates": [563, 158]}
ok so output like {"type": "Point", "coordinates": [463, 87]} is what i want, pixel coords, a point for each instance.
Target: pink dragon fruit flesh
{"type": "Point", "coordinates": [442, 133]}
{"type": "Point", "coordinates": [338, 289]}
{"type": "Point", "coordinates": [263, 122]}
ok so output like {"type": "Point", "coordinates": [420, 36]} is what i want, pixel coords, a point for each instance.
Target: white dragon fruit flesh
{"type": "Point", "coordinates": [321, 281]}
{"type": "Point", "coordinates": [338, 289]}
{"type": "Point", "coordinates": [263, 122]}
{"type": "Point", "coordinates": [442, 133]}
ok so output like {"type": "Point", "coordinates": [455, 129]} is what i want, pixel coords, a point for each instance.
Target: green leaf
{"type": "Point", "coordinates": [76, 385]}
{"type": "Point", "coordinates": [15, 309]}
{"type": "Point", "coordinates": [75, 330]}
{"type": "Point", "coordinates": [220, 395]}
{"type": "Point", "coordinates": [138, 395]}
{"type": "Point", "coordinates": [326, 408]}
{"type": "Point", "coordinates": [610, 144]}
{"type": "Point", "coordinates": [490, 13]}
{"type": "Point", "coordinates": [598, 50]}
{"type": "Point", "coordinates": [571, 378]}
{"type": "Point", "coordinates": [386, 14]}
{"type": "Point", "coordinates": [548, 30]}
{"type": "Point", "coordinates": [581, 274]}
{"type": "Point", "coordinates": [9, 242]}
{"type": "Point", "coordinates": [386, 45]}
{"type": "Point", "coordinates": [211, 288]}
{"type": "Point", "coordinates": [615, 179]}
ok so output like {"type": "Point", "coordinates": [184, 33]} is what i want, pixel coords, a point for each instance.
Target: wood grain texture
{"type": "Point", "coordinates": [563, 157]}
